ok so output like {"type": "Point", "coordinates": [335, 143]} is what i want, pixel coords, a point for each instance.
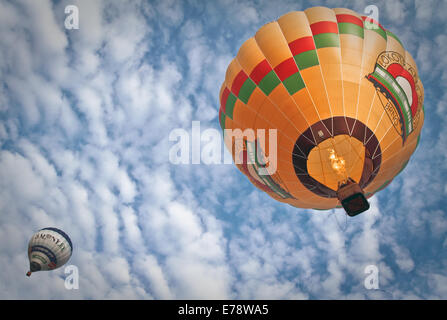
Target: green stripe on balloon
{"type": "Point", "coordinates": [294, 83]}
{"type": "Point", "coordinates": [350, 28]}
{"type": "Point", "coordinates": [306, 59]}
{"type": "Point", "coordinates": [246, 90]}
{"type": "Point", "coordinates": [222, 120]}
{"type": "Point", "coordinates": [380, 32]}
{"type": "Point", "coordinates": [392, 35]}
{"type": "Point", "coordinates": [269, 82]}
{"type": "Point", "coordinates": [324, 40]}
{"type": "Point", "coordinates": [373, 25]}
{"type": "Point", "coordinates": [229, 107]}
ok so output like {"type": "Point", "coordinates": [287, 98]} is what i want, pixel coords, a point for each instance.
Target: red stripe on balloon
{"type": "Point", "coordinates": [349, 19]}
{"type": "Point", "coordinates": [324, 27]}
{"type": "Point", "coordinates": [238, 82]}
{"type": "Point", "coordinates": [223, 100]}
{"type": "Point", "coordinates": [286, 68]}
{"type": "Point", "coordinates": [301, 45]}
{"type": "Point", "coordinates": [260, 71]}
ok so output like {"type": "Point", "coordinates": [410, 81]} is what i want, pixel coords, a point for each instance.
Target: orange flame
{"type": "Point", "coordinates": [338, 164]}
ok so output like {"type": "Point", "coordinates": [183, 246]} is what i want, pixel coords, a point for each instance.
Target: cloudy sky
{"type": "Point", "coordinates": [85, 119]}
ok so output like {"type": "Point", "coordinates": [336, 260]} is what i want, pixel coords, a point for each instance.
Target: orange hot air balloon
{"type": "Point", "coordinates": [344, 97]}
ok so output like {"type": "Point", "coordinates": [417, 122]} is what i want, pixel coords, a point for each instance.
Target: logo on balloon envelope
{"type": "Point", "coordinates": [399, 91]}
{"type": "Point", "coordinates": [253, 164]}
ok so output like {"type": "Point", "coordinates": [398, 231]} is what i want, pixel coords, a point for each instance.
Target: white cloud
{"type": "Point", "coordinates": [439, 283]}
{"type": "Point", "coordinates": [86, 116]}
{"type": "Point", "coordinates": [149, 269]}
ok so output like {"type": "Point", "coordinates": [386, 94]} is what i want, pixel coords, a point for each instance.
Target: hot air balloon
{"type": "Point", "coordinates": [344, 97]}
{"type": "Point", "coordinates": [48, 249]}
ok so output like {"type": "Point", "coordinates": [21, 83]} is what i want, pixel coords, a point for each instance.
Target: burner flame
{"type": "Point", "coordinates": [338, 164]}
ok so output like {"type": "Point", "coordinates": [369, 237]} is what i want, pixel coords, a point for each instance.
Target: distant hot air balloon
{"type": "Point", "coordinates": [345, 98]}
{"type": "Point", "coordinates": [48, 249]}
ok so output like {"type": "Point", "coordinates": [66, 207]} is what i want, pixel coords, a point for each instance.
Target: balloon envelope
{"type": "Point", "coordinates": [343, 95]}
{"type": "Point", "coordinates": [48, 249]}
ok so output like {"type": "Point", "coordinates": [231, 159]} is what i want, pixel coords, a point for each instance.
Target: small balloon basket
{"type": "Point", "coordinates": [352, 198]}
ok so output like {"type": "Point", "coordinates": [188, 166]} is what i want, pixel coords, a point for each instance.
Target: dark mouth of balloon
{"type": "Point", "coordinates": [34, 266]}
{"type": "Point", "coordinates": [330, 128]}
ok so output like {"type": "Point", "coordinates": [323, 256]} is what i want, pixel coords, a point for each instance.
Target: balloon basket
{"type": "Point", "coordinates": [352, 198]}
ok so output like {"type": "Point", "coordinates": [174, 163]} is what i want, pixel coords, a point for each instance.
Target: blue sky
{"type": "Point", "coordinates": [85, 120]}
